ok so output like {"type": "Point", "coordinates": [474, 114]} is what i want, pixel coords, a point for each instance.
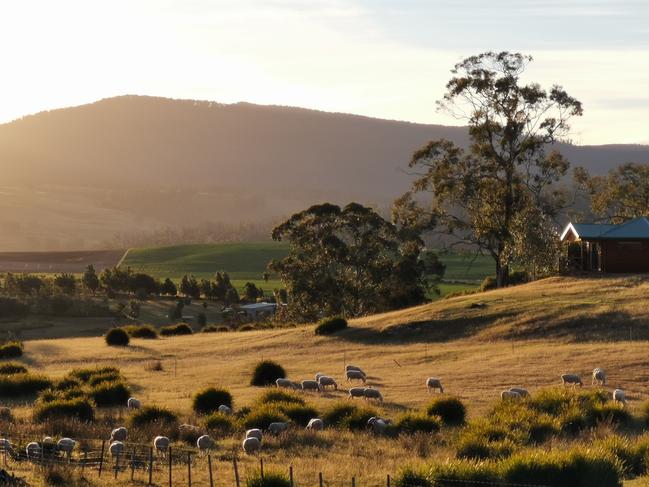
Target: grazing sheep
{"type": "Point", "coordinates": [315, 424]}
{"type": "Point", "coordinates": [325, 381]}
{"type": "Point", "coordinates": [318, 375]}
{"type": "Point", "coordinates": [133, 403]}
{"type": "Point", "coordinates": [571, 379]}
{"type": "Point", "coordinates": [286, 384]}
{"type": "Point", "coordinates": [370, 393]}
{"type": "Point", "coordinates": [520, 391]}
{"type": "Point", "coordinates": [33, 449]}
{"type": "Point", "coordinates": [433, 383]}
{"type": "Point", "coordinates": [378, 425]}
{"type": "Point", "coordinates": [505, 395]}
{"type": "Point", "coordinates": [599, 377]}
{"type": "Point", "coordinates": [251, 445]}
{"type": "Point", "coordinates": [255, 433]}
{"type": "Point", "coordinates": [355, 375]}
{"type": "Point", "coordinates": [277, 427]}
{"type": "Point", "coordinates": [356, 392]}
{"type": "Point", "coordinates": [204, 444]}
{"type": "Point", "coordinates": [619, 396]}
{"type": "Point", "coordinates": [66, 445]}
{"type": "Point", "coordinates": [223, 409]}
{"type": "Point", "coordinates": [116, 448]}
{"type": "Point", "coordinates": [119, 434]}
{"type": "Point", "coordinates": [310, 385]}
{"type": "Point", "coordinates": [353, 367]}
{"type": "Point", "coordinates": [161, 444]}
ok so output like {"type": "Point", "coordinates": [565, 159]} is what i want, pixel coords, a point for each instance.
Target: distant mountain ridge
{"type": "Point", "coordinates": [75, 177]}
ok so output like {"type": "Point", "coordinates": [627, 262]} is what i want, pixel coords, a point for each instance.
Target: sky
{"type": "Point", "coordinates": [381, 58]}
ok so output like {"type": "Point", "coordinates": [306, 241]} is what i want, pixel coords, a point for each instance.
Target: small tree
{"type": "Point", "coordinates": [251, 292]}
{"type": "Point", "coordinates": [232, 296]}
{"type": "Point", "coordinates": [168, 287]}
{"type": "Point", "coordinates": [266, 373]}
{"type": "Point", "coordinates": [117, 337]}
{"type": "Point", "coordinates": [66, 283]}
{"type": "Point", "coordinates": [90, 280]}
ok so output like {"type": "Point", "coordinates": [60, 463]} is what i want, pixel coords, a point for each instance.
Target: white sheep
{"type": "Point", "coordinates": [505, 395]}
{"type": "Point", "coordinates": [277, 427]}
{"type": "Point", "coordinates": [434, 383]}
{"type": "Point", "coordinates": [310, 385]}
{"type": "Point", "coordinates": [116, 448]}
{"type": "Point", "coordinates": [619, 396]}
{"type": "Point", "coordinates": [315, 424]}
{"type": "Point", "coordinates": [571, 379]}
{"type": "Point", "coordinates": [161, 444]}
{"type": "Point", "coordinates": [324, 381]}
{"type": "Point", "coordinates": [285, 383]}
{"type": "Point", "coordinates": [255, 433]}
{"type": "Point", "coordinates": [318, 375]}
{"type": "Point", "coordinates": [133, 403]}
{"type": "Point", "coordinates": [356, 392]}
{"type": "Point", "coordinates": [204, 444]}
{"type": "Point", "coordinates": [66, 445]}
{"type": "Point", "coordinates": [599, 377]}
{"type": "Point", "coordinates": [520, 391]}
{"type": "Point", "coordinates": [224, 409]}
{"type": "Point", "coordinates": [355, 375]}
{"type": "Point", "coordinates": [370, 393]}
{"type": "Point", "coordinates": [119, 434]}
{"type": "Point", "coordinates": [353, 367]}
{"type": "Point", "coordinates": [251, 445]}
{"type": "Point", "coordinates": [33, 449]}
{"type": "Point", "coordinates": [378, 425]}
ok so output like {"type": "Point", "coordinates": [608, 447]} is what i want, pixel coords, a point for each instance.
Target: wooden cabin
{"type": "Point", "coordinates": [595, 247]}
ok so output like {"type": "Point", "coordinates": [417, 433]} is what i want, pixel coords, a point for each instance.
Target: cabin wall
{"type": "Point", "coordinates": [625, 256]}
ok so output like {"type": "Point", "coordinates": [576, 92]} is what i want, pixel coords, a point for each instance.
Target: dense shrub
{"type": "Point", "coordinates": [266, 373]}
{"type": "Point", "coordinates": [67, 383]}
{"type": "Point", "coordinates": [262, 416]}
{"type": "Point", "coordinates": [514, 278]}
{"type": "Point", "coordinates": [299, 414]}
{"type": "Point", "coordinates": [278, 395]}
{"type": "Point", "coordinates": [329, 326]}
{"type": "Point", "coordinates": [348, 416]}
{"type": "Point", "coordinates": [475, 447]}
{"type": "Point", "coordinates": [117, 337]}
{"type": "Point", "coordinates": [153, 415]}
{"type": "Point", "coordinates": [51, 395]}
{"type": "Point", "coordinates": [413, 423]}
{"type": "Point", "coordinates": [106, 394]}
{"type": "Point", "coordinates": [450, 409]}
{"type": "Point", "coordinates": [174, 330]}
{"type": "Point", "coordinates": [208, 400]}
{"type": "Point", "coordinates": [79, 408]}
{"type": "Point", "coordinates": [141, 331]}
{"type": "Point", "coordinates": [11, 350]}
{"type": "Point", "coordinates": [410, 477]}
{"type": "Point", "coordinates": [219, 423]}
{"type": "Point", "coordinates": [25, 384]}
{"type": "Point", "coordinates": [632, 457]}
{"type": "Point", "coordinates": [10, 368]}
{"type": "Point", "coordinates": [100, 378]}
{"type": "Point", "coordinates": [87, 374]}
{"type": "Point", "coordinates": [270, 479]}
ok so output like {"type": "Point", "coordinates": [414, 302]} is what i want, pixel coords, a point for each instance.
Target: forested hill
{"type": "Point", "coordinates": [77, 176]}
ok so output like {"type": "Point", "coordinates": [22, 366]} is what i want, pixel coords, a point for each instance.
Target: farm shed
{"type": "Point", "coordinates": [259, 310]}
{"type": "Point", "coordinates": [598, 247]}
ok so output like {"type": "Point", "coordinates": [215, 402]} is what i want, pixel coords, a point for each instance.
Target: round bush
{"type": "Point", "coordinates": [208, 400]}
{"type": "Point", "coordinates": [270, 479]}
{"type": "Point", "coordinates": [299, 414]}
{"type": "Point", "coordinates": [262, 416]}
{"type": "Point", "coordinates": [219, 423]}
{"type": "Point", "coordinates": [11, 368]}
{"type": "Point", "coordinates": [450, 409]}
{"type": "Point", "coordinates": [110, 394]}
{"type": "Point", "coordinates": [409, 477]}
{"type": "Point", "coordinates": [413, 423]}
{"type": "Point", "coordinates": [329, 326]}
{"type": "Point", "coordinates": [336, 414]}
{"type": "Point", "coordinates": [175, 330]}
{"type": "Point", "coordinates": [266, 373]}
{"type": "Point", "coordinates": [142, 331]}
{"type": "Point", "coordinates": [277, 395]}
{"type": "Point", "coordinates": [78, 408]}
{"type": "Point", "coordinates": [153, 415]}
{"type": "Point", "coordinates": [11, 350]}
{"type": "Point", "coordinates": [18, 385]}
{"type": "Point", "coordinates": [117, 337]}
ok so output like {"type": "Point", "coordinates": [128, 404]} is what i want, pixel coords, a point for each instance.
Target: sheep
{"type": "Point", "coordinates": [378, 425]}
{"type": "Point", "coordinates": [520, 391]}
{"type": "Point", "coordinates": [161, 444]}
{"type": "Point", "coordinates": [433, 383]}
{"type": "Point", "coordinates": [255, 433]}
{"type": "Point", "coordinates": [370, 393]}
{"type": "Point", "coordinates": [33, 449]}
{"type": "Point", "coordinates": [315, 424]}
{"type": "Point", "coordinates": [353, 367]}
{"type": "Point", "coordinates": [5, 445]}
{"type": "Point", "coordinates": [116, 448]}
{"type": "Point", "coordinates": [571, 379]}
{"type": "Point", "coordinates": [277, 427]}
{"type": "Point", "coordinates": [119, 434]}
{"type": "Point", "coordinates": [310, 385]}
{"type": "Point", "coordinates": [504, 395]}
{"type": "Point", "coordinates": [325, 381]}
{"type": "Point", "coordinates": [355, 375]}
{"type": "Point", "coordinates": [285, 383]}
{"type": "Point", "coordinates": [223, 409]}
{"type": "Point", "coordinates": [204, 444]}
{"type": "Point", "coordinates": [133, 403]}
{"type": "Point", "coordinates": [599, 377]}
{"type": "Point", "coordinates": [318, 375]}
{"type": "Point", "coordinates": [251, 445]}
{"type": "Point", "coordinates": [356, 392]}
{"type": "Point", "coordinates": [619, 396]}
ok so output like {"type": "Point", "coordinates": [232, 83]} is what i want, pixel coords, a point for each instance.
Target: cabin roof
{"type": "Point", "coordinates": [637, 228]}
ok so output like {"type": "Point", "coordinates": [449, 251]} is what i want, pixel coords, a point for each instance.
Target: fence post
{"type": "Point", "coordinates": [388, 481]}
{"type": "Point", "coordinates": [133, 464]}
{"type": "Point", "coordinates": [236, 471]}
{"type": "Point", "coordinates": [117, 463]}
{"type": "Point", "coordinates": [261, 467]}
{"type": "Point", "coordinates": [150, 465]}
{"type": "Point", "coordinates": [4, 453]}
{"type": "Point", "coordinates": [209, 467]}
{"type": "Point", "coordinates": [101, 458]}
{"type": "Point", "coordinates": [320, 482]}
{"type": "Point", "coordinates": [290, 474]}
{"type": "Point", "coordinates": [170, 479]}
{"type": "Point", "coordinates": [353, 481]}
{"type": "Point", "coordinates": [83, 462]}
{"type": "Point", "coordinates": [189, 469]}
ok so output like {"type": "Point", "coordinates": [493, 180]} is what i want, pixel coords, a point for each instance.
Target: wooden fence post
{"type": "Point", "coordinates": [388, 481]}
{"type": "Point", "coordinates": [189, 469]}
{"type": "Point", "coordinates": [101, 458]}
{"type": "Point", "coordinates": [133, 464]}
{"type": "Point", "coordinates": [209, 467]}
{"type": "Point", "coordinates": [170, 479]}
{"type": "Point", "coordinates": [261, 467]}
{"type": "Point", "coordinates": [236, 471]}
{"type": "Point", "coordinates": [353, 481]}
{"type": "Point", "coordinates": [117, 463]}
{"type": "Point", "coordinates": [320, 482]}
{"type": "Point", "coordinates": [150, 465]}
{"type": "Point", "coordinates": [83, 462]}
{"type": "Point", "coordinates": [290, 474]}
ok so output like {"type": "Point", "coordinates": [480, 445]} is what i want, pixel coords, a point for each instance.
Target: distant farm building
{"type": "Point", "coordinates": [606, 247]}
{"type": "Point", "coordinates": [257, 311]}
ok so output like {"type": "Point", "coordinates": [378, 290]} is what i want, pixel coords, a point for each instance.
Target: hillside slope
{"type": "Point", "coordinates": [79, 177]}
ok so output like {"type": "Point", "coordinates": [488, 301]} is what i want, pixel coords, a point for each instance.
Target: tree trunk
{"type": "Point", "coordinates": [502, 273]}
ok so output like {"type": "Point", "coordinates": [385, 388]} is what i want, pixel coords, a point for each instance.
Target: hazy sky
{"type": "Point", "coordinates": [383, 58]}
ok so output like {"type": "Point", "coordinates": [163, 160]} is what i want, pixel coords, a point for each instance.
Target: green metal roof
{"type": "Point", "coordinates": [636, 229]}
